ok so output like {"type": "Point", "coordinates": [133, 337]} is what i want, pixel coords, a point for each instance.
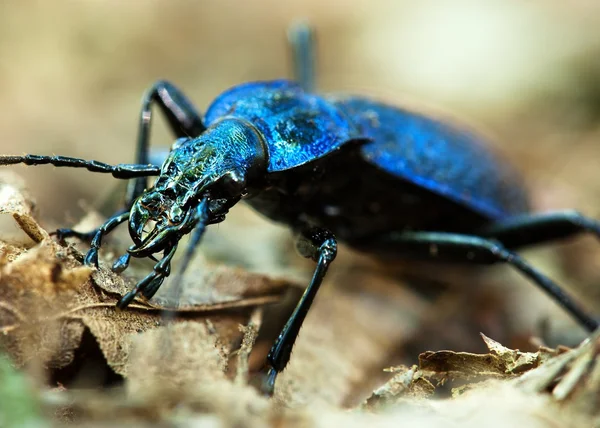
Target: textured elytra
{"type": "Point", "coordinates": [448, 161]}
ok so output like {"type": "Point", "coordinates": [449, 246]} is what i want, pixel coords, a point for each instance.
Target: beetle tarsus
{"type": "Point", "coordinates": [126, 300]}
{"type": "Point", "coordinates": [91, 258]}
{"type": "Point", "coordinates": [150, 290]}
{"type": "Point", "coordinates": [121, 263]}
{"type": "Point", "coordinates": [151, 282]}
{"type": "Point", "coordinates": [268, 384]}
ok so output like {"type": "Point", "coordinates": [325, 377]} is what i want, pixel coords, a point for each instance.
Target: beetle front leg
{"type": "Point", "coordinates": [94, 237]}
{"type": "Point", "coordinates": [150, 284]}
{"type": "Point", "coordinates": [321, 246]}
{"type": "Point", "coordinates": [91, 258]}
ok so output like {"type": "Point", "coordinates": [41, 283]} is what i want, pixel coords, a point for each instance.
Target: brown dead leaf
{"type": "Point", "coordinates": [178, 358]}
{"type": "Point", "coordinates": [500, 362]}
{"type": "Point", "coordinates": [407, 383]}
{"type": "Point", "coordinates": [47, 299]}
{"type": "Point", "coordinates": [472, 370]}
{"type": "Point", "coordinates": [515, 361]}
{"type": "Point", "coordinates": [45, 310]}
{"type": "Point", "coordinates": [32, 287]}
{"type": "Point", "coordinates": [450, 364]}
{"type": "Point", "coordinates": [206, 288]}
{"type": "Point", "coordinates": [15, 202]}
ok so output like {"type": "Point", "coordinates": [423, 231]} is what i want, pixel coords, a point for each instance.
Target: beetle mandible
{"type": "Point", "coordinates": [382, 179]}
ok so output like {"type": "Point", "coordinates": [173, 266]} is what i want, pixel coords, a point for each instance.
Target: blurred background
{"type": "Point", "coordinates": [527, 73]}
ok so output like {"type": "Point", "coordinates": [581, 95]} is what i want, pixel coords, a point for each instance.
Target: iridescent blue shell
{"type": "Point", "coordinates": [298, 127]}
{"type": "Point", "coordinates": [436, 156]}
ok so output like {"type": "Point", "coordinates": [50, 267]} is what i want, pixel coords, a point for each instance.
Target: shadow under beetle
{"type": "Point", "coordinates": [382, 179]}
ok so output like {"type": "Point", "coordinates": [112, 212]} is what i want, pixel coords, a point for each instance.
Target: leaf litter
{"type": "Point", "coordinates": [200, 368]}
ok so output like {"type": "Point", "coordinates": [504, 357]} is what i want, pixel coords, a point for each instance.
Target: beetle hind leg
{"type": "Point", "coordinates": [531, 229]}
{"type": "Point", "coordinates": [450, 247]}
{"type": "Point", "coordinates": [320, 245]}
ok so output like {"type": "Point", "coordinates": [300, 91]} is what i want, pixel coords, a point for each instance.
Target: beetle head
{"type": "Point", "coordinates": [221, 165]}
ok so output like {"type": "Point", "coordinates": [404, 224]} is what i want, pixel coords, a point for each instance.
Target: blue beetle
{"type": "Point", "coordinates": [380, 178]}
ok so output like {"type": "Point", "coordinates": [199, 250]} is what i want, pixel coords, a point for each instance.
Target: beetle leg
{"type": "Point", "coordinates": [150, 284]}
{"type": "Point", "coordinates": [182, 117]}
{"type": "Point", "coordinates": [61, 234]}
{"type": "Point", "coordinates": [91, 258]}
{"type": "Point", "coordinates": [530, 229]}
{"type": "Point", "coordinates": [320, 245]}
{"type": "Point", "coordinates": [150, 290]}
{"type": "Point", "coordinates": [301, 41]}
{"type": "Point", "coordinates": [452, 247]}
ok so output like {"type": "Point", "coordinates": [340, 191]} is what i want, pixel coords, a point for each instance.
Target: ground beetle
{"type": "Point", "coordinates": [382, 179]}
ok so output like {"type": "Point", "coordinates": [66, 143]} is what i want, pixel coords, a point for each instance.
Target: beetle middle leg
{"type": "Point", "coordinates": [321, 246]}
{"type": "Point", "coordinates": [471, 249]}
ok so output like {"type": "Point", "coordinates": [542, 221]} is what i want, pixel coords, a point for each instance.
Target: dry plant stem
{"type": "Point", "coordinates": [250, 332]}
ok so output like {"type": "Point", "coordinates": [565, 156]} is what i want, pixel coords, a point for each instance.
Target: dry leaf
{"type": "Point", "coordinates": [196, 368]}
{"type": "Point", "coordinates": [500, 362]}
{"type": "Point", "coordinates": [407, 383]}
{"type": "Point", "coordinates": [48, 299]}
{"type": "Point", "coordinates": [15, 202]}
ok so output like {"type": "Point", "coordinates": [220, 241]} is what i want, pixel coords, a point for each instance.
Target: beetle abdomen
{"type": "Point", "coordinates": [436, 156]}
